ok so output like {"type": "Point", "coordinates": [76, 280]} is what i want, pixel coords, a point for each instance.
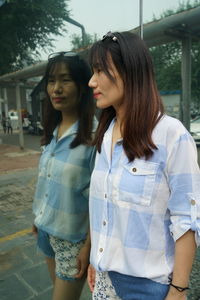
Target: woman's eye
{"type": "Point", "coordinates": [97, 70]}
{"type": "Point", "coordinates": [51, 80]}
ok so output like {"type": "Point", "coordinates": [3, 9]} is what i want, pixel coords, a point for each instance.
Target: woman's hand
{"type": "Point", "coordinates": [91, 277]}
{"type": "Point", "coordinates": [173, 294]}
{"type": "Point", "coordinates": [34, 230]}
{"type": "Point", "coordinates": [83, 261]}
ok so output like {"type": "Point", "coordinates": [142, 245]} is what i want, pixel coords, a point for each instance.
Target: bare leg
{"type": "Point", "coordinates": [51, 266]}
{"type": "Point", "coordinates": [67, 290]}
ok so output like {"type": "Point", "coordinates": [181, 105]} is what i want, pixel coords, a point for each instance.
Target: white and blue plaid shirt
{"type": "Point", "coordinates": [139, 209]}
{"type": "Point", "coordinates": [61, 198]}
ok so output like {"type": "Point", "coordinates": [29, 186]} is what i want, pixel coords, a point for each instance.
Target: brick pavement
{"type": "Point", "coordinates": [21, 266]}
{"type": "Point", "coordinates": [12, 158]}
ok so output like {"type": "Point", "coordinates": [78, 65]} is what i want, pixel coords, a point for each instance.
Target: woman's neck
{"type": "Point", "coordinates": [68, 119]}
{"type": "Point", "coordinates": [119, 118]}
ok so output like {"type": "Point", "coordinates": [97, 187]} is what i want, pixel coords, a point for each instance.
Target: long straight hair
{"type": "Point", "coordinates": [80, 73]}
{"type": "Point", "coordinates": [142, 102]}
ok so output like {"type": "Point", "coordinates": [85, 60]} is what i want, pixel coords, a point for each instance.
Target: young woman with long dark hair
{"type": "Point", "coordinates": [61, 201]}
{"type": "Point", "coordinates": [144, 192]}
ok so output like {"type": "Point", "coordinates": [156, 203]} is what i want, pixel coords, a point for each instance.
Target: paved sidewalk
{"type": "Point", "coordinates": [12, 158]}
{"type": "Point", "coordinates": [23, 272]}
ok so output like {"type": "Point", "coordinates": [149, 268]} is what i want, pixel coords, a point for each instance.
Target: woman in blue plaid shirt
{"type": "Point", "coordinates": [145, 187]}
{"type": "Point", "coordinates": [61, 201]}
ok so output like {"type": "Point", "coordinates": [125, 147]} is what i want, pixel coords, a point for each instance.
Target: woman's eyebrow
{"type": "Point", "coordinates": [96, 65]}
{"type": "Point", "coordinates": [60, 75]}
{"type": "Point", "coordinates": [64, 74]}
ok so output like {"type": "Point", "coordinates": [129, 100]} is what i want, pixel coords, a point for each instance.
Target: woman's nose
{"type": "Point", "coordinates": [57, 87]}
{"type": "Point", "coordinates": [92, 82]}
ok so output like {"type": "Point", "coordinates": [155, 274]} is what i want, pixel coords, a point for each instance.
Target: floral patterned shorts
{"type": "Point", "coordinates": [65, 257]}
{"type": "Point", "coordinates": [103, 288]}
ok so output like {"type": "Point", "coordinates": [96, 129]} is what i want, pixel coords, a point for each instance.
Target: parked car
{"type": "Point", "coordinates": [195, 129]}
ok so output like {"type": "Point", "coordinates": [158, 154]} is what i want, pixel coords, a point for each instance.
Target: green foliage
{"type": "Point", "coordinates": [183, 5]}
{"type": "Point", "coordinates": [167, 61]}
{"type": "Point", "coordinates": [26, 25]}
{"type": "Point", "coordinates": [167, 64]}
{"type": "Point", "coordinates": [78, 43]}
{"type": "Point", "coordinates": [196, 72]}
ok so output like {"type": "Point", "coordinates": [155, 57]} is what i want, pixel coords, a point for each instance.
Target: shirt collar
{"type": "Point", "coordinates": [74, 128]}
{"type": "Point", "coordinates": [70, 131]}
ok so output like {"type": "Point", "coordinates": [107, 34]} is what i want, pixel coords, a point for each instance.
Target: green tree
{"type": "Point", "coordinates": [78, 43]}
{"type": "Point", "coordinates": [184, 5]}
{"type": "Point", "coordinates": [26, 25]}
{"type": "Point", "coordinates": [167, 64]}
{"type": "Point", "coordinates": [167, 60]}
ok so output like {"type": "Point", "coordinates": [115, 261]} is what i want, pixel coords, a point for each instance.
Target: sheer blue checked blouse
{"type": "Point", "coordinates": [61, 198]}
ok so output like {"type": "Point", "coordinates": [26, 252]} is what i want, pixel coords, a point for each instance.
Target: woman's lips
{"type": "Point", "coordinates": [96, 95]}
{"type": "Point", "coordinates": [57, 100]}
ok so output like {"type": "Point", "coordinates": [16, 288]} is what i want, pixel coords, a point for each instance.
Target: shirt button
{"type": "Point", "coordinates": [104, 223]}
{"type": "Point", "coordinates": [101, 250]}
{"type": "Point", "coordinates": [46, 195]}
{"type": "Point", "coordinates": [49, 175]}
{"type": "Point", "coordinates": [134, 170]}
{"type": "Point", "coordinates": [52, 154]}
{"type": "Point", "coordinates": [193, 202]}
{"type": "Point", "coordinates": [105, 195]}
{"type": "Point", "coordinates": [41, 213]}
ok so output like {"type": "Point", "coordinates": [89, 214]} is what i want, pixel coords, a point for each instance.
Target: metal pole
{"type": "Point", "coordinates": [141, 19]}
{"type": "Point", "coordinates": [70, 20]}
{"type": "Point", "coordinates": [83, 36]}
{"type": "Point", "coordinates": [186, 81]}
{"type": "Point", "coordinates": [18, 98]}
{"type": "Point", "coordinates": [5, 102]}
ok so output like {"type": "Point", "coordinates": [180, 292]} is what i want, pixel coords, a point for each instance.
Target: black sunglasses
{"type": "Point", "coordinates": [62, 53]}
{"type": "Point", "coordinates": [110, 35]}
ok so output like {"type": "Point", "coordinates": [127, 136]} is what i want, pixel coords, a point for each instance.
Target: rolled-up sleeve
{"type": "Point", "coordinates": [184, 183]}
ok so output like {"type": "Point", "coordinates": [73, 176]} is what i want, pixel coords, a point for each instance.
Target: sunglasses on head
{"type": "Point", "coordinates": [62, 53]}
{"type": "Point", "coordinates": [109, 35]}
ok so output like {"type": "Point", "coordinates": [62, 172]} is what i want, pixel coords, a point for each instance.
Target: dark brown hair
{"type": "Point", "coordinates": [143, 105]}
{"type": "Point", "coordinates": [80, 73]}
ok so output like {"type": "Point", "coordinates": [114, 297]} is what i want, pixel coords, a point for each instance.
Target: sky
{"type": "Point", "coordinates": [101, 16]}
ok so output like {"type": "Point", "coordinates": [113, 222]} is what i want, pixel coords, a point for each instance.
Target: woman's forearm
{"type": "Point", "coordinates": [185, 249]}
{"type": "Point", "coordinates": [88, 240]}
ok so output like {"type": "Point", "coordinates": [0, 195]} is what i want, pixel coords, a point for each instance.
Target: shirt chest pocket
{"type": "Point", "coordinates": [137, 183]}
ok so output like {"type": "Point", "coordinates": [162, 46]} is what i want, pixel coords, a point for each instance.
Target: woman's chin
{"type": "Point", "coordinates": [101, 105]}
{"type": "Point", "coordinates": [59, 107]}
